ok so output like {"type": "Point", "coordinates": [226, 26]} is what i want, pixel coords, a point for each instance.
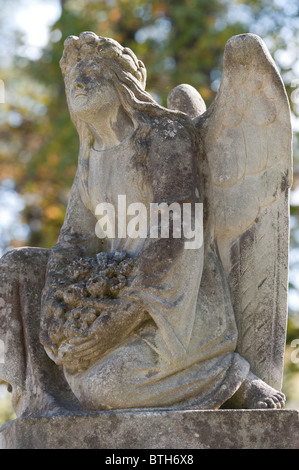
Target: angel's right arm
{"type": "Point", "coordinates": [77, 239]}
{"type": "Point", "coordinates": [77, 236]}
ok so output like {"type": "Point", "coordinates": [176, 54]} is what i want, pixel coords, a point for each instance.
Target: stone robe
{"type": "Point", "coordinates": [184, 355]}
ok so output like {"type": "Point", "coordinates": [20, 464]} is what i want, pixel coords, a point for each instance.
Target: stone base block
{"type": "Point", "coordinates": [156, 429]}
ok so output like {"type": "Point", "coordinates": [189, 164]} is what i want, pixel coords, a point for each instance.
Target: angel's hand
{"type": "Point", "coordinates": [118, 319]}
{"type": "Point", "coordinates": [90, 345]}
{"type": "Point", "coordinates": [80, 351]}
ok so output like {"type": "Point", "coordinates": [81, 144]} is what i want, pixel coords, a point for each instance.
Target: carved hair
{"type": "Point", "coordinates": [98, 47]}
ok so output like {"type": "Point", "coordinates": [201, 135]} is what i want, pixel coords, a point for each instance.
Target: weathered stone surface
{"type": "Point", "coordinates": [157, 429]}
{"type": "Point", "coordinates": [37, 385]}
{"type": "Point", "coordinates": [118, 318]}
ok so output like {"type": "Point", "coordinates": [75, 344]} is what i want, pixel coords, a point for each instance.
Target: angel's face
{"type": "Point", "coordinates": [91, 90]}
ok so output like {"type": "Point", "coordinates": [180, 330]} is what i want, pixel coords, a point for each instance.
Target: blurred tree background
{"type": "Point", "coordinates": [179, 42]}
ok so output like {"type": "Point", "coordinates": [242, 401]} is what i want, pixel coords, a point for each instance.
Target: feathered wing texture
{"type": "Point", "coordinates": [247, 139]}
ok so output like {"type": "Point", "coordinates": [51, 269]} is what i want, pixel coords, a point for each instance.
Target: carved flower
{"type": "Point", "coordinates": [87, 281]}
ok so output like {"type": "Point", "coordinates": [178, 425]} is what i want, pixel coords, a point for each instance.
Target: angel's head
{"type": "Point", "coordinates": [99, 73]}
{"type": "Point", "coordinates": [121, 60]}
{"type": "Point", "coordinates": [92, 62]}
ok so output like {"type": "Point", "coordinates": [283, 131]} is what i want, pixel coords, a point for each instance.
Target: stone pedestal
{"type": "Point", "coordinates": [156, 429]}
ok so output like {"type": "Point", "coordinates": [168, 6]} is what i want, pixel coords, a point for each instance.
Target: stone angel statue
{"type": "Point", "coordinates": [135, 321]}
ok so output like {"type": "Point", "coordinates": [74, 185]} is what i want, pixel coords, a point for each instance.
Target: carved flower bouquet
{"type": "Point", "coordinates": [85, 283]}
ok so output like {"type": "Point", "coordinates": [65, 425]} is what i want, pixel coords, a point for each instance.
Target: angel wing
{"type": "Point", "coordinates": [247, 139]}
